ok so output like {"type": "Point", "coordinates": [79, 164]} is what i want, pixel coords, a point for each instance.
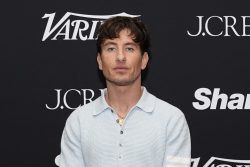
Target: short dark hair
{"type": "Point", "coordinates": [111, 28]}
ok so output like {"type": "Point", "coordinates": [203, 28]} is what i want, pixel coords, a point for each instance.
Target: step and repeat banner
{"type": "Point", "coordinates": [199, 62]}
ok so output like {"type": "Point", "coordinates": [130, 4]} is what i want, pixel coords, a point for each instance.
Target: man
{"type": "Point", "coordinates": [126, 126]}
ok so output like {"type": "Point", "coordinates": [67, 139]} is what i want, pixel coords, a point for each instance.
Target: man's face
{"type": "Point", "coordinates": [121, 60]}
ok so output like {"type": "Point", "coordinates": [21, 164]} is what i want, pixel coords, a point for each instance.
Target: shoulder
{"type": "Point", "coordinates": [170, 116]}
{"type": "Point", "coordinates": [167, 114]}
{"type": "Point", "coordinates": [83, 112]}
{"type": "Point", "coordinates": [166, 109]}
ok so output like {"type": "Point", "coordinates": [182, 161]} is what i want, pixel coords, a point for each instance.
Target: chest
{"type": "Point", "coordinates": [140, 136]}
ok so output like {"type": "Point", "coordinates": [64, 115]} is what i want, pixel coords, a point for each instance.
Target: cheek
{"type": "Point", "coordinates": [139, 63]}
{"type": "Point", "coordinates": [106, 61]}
{"type": "Point", "coordinates": [107, 65]}
{"type": "Point", "coordinates": [137, 66]}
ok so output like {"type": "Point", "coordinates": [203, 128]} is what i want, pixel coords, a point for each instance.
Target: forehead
{"type": "Point", "coordinates": [124, 36]}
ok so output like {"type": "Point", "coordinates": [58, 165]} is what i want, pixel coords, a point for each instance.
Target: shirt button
{"type": "Point", "coordinates": [120, 145]}
{"type": "Point", "coordinates": [121, 132]}
{"type": "Point", "coordinates": [120, 157]}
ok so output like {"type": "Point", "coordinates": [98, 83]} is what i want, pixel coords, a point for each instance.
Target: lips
{"type": "Point", "coordinates": [120, 68]}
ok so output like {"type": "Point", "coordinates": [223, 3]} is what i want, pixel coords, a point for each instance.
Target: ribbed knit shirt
{"type": "Point", "coordinates": [154, 134]}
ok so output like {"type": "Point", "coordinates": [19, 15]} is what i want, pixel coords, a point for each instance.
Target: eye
{"type": "Point", "coordinates": [110, 49]}
{"type": "Point", "coordinates": [130, 49]}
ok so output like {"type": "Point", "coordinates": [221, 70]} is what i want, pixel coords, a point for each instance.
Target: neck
{"type": "Point", "coordinates": [123, 98]}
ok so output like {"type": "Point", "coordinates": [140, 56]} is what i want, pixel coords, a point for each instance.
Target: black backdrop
{"type": "Point", "coordinates": [34, 70]}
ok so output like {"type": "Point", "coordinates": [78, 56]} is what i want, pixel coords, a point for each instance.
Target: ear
{"type": "Point", "coordinates": [99, 61]}
{"type": "Point", "coordinates": [145, 59]}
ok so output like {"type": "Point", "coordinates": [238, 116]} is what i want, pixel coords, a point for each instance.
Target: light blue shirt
{"type": "Point", "coordinates": [154, 134]}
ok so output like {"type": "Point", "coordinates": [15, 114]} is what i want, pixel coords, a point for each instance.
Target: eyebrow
{"type": "Point", "coordinates": [131, 43]}
{"type": "Point", "coordinates": [113, 43]}
{"type": "Point", "coordinates": [109, 43]}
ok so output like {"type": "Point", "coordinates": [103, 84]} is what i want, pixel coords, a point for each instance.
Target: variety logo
{"type": "Point", "coordinates": [74, 26]}
{"type": "Point", "coordinates": [222, 26]}
{"type": "Point", "coordinates": [209, 100]}
{"type": "Point", "coordinates": [212, 162]}
{"type": "Point", "coordinates": [221, 162]}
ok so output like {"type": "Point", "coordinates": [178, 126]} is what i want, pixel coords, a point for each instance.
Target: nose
{"type": "Point", "coordinates": [120, 56]}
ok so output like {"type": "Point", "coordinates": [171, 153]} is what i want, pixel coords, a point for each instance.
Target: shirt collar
{"type": "Point", "coordinates": [146, 102]}
{"type": "Point", "coordinates": [101, 104]}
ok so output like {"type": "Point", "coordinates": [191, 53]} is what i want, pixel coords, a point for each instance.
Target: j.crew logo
{"type": "Point", "coordinates": [221, 26]}
{"type": "Point", "coordinates": [65, 98]}
{"type": "Point", "coordinates": [74, 26]}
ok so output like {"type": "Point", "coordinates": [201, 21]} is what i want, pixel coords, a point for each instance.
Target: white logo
{"type": "Point", "coordinates": [63, 101]}
{"type": "Point", "coordinates": [221, 162]}
{"type": "Point", "coordinates": [212, 162]}
{"type": "Point", "coordinates": [208, 99]}
{"type": "Point", "coordinates": [74, 26]}
{"type": "Point", "coordinates": [226, 26]}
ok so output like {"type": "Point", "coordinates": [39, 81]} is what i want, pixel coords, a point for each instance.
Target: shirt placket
{"type": "Point", "coordinates": [122, 131]}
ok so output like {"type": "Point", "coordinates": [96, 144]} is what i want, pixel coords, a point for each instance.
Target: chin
{"type": "Point", "coordinates": [121, 82]}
